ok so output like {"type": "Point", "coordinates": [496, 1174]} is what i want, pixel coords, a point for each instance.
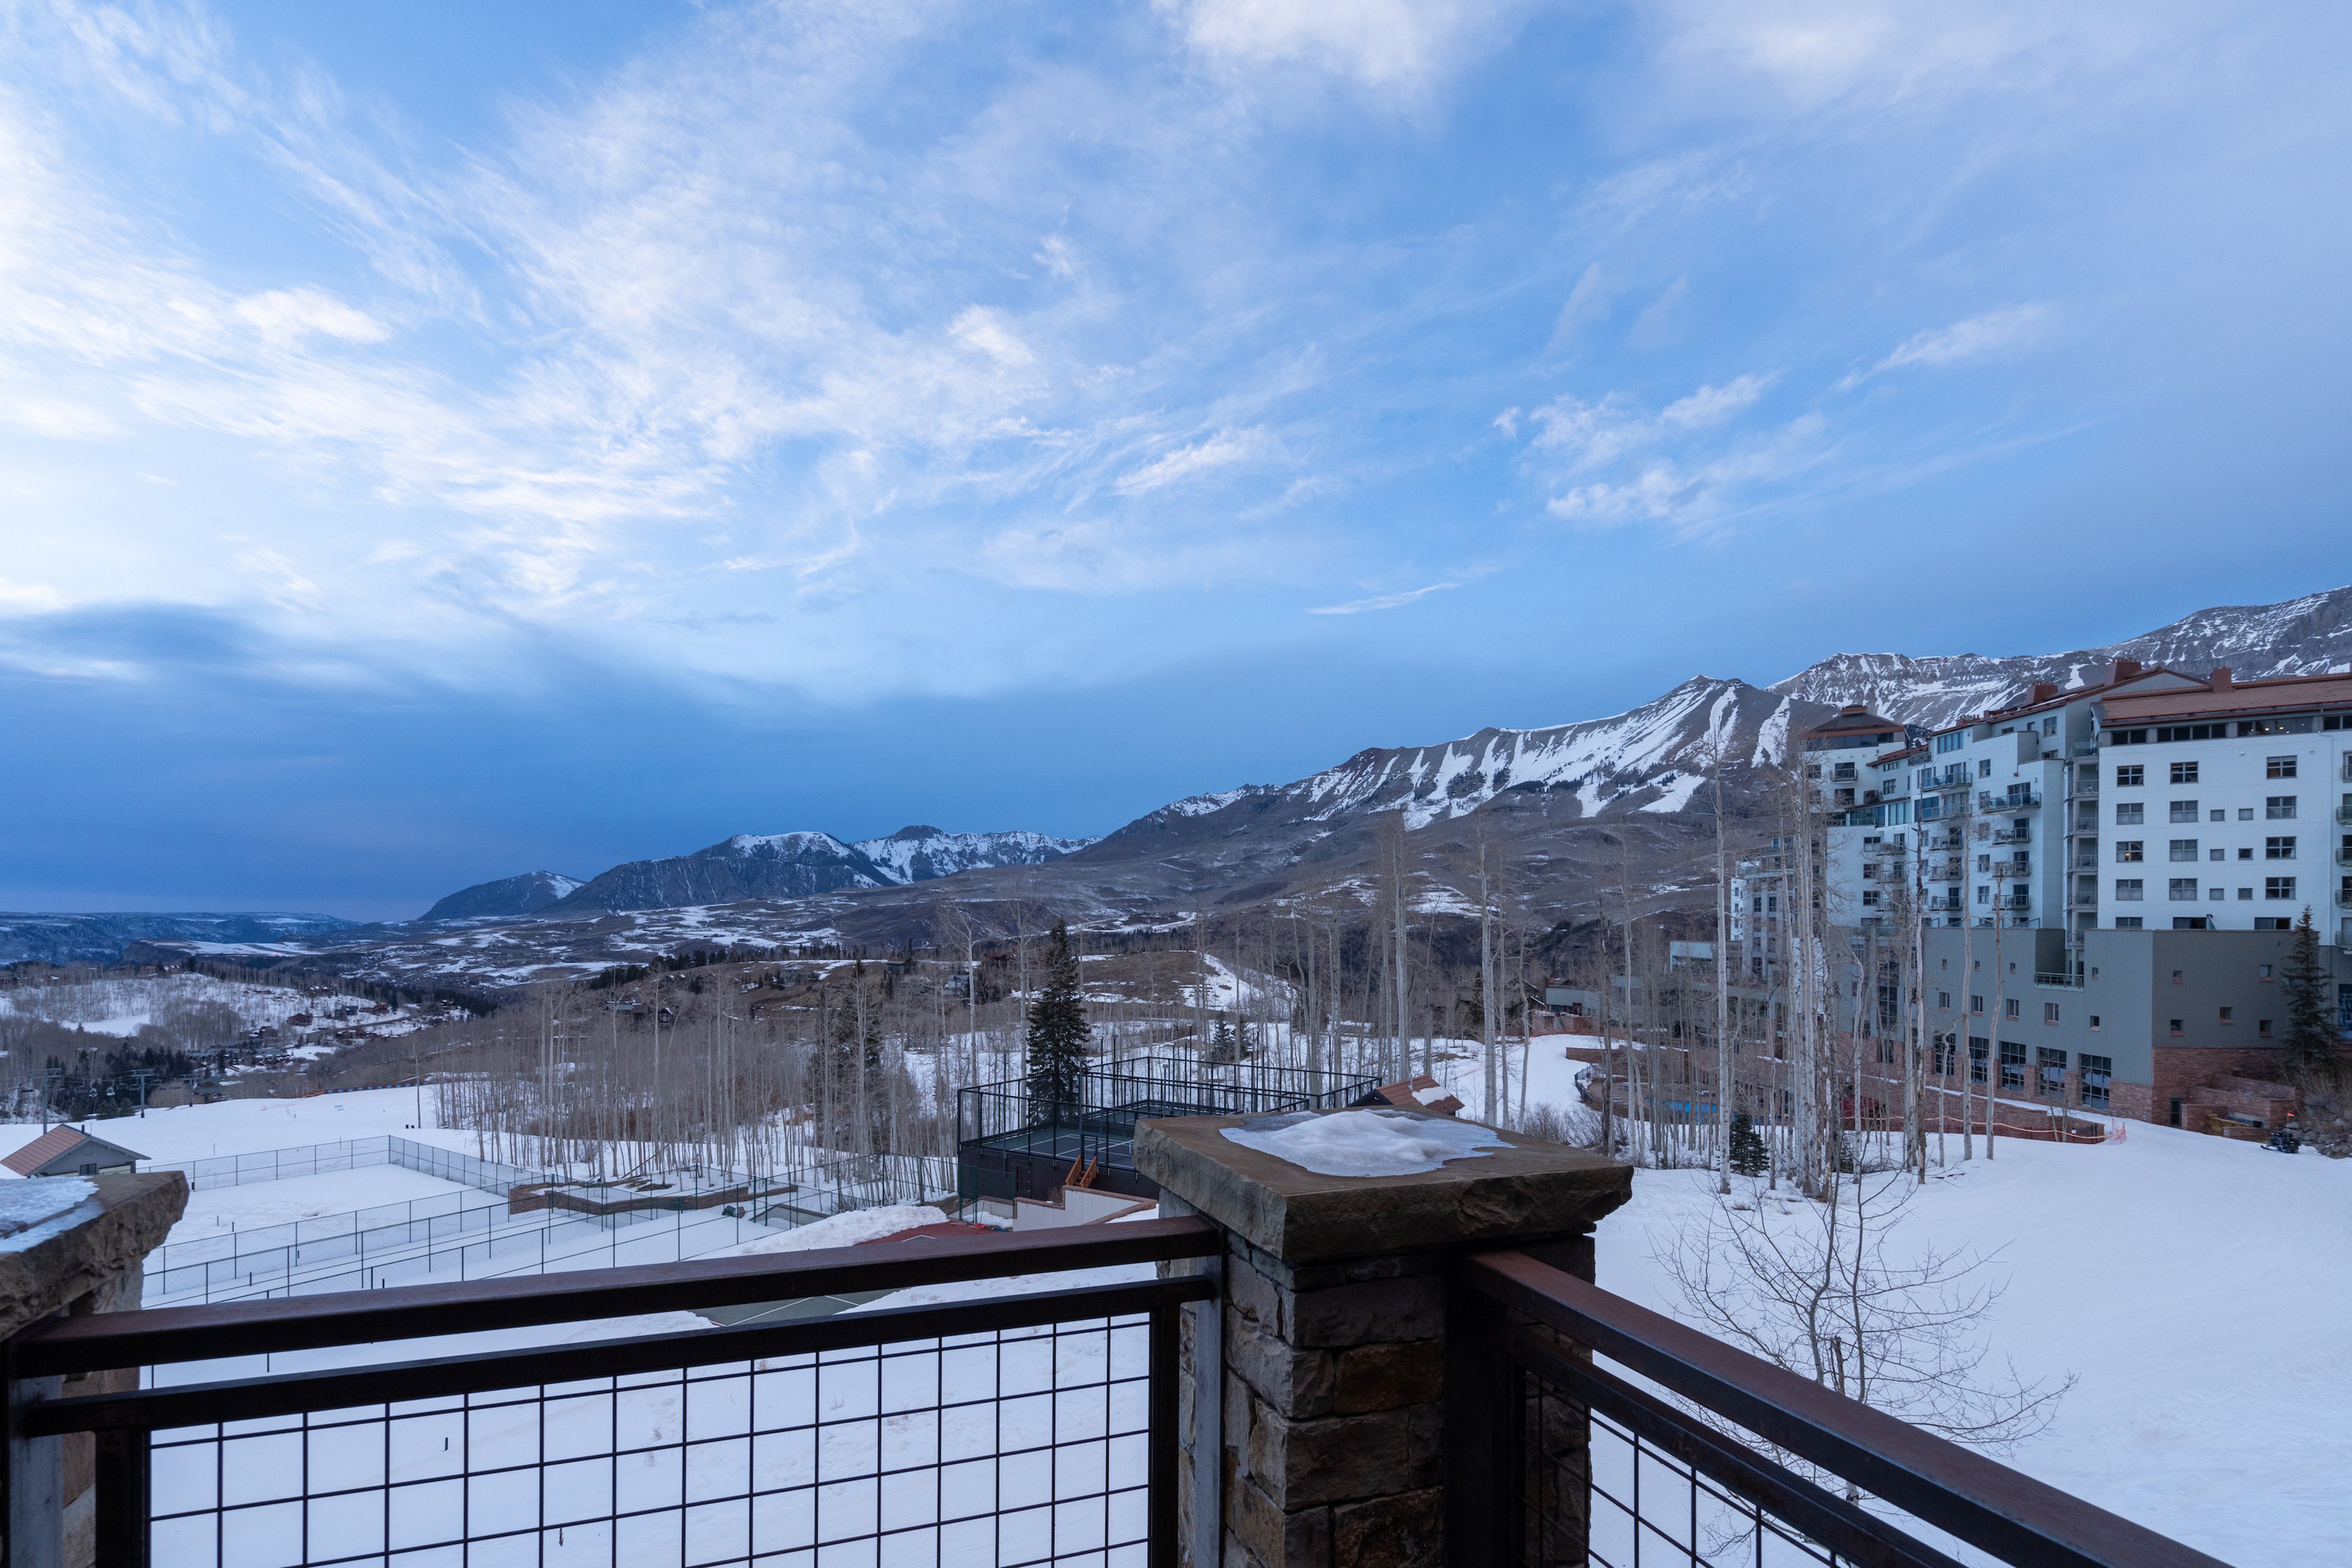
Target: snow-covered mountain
{"type": "Point", "coordinates": [527, 894]}
{"type": "Point", "coordinates": [748, 866]}
{"type": "Point", "coordinates": [919, 854]}
{"type": "Point", "coordinates": [2310, 636]}
{"type": "Point", "coordinates": [800, 865]}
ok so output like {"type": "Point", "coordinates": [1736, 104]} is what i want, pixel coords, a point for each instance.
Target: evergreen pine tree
{"type": "Point", "coordinates": [1749, 1155]}
{"type": "Point", "coordinates": [2310, 1042]}
{"type": "Point", "coordinates": [1220, 1042]}
{"type": "Point", "coordinates": [1058, 1033]}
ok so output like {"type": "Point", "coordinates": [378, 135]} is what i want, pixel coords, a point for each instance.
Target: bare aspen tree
{"type": "Point", "coordinates": [1489, 995]}
{"type": "Point", "coordinates": [1722, 981]}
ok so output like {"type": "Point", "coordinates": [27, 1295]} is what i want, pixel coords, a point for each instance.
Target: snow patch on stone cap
{"type": "Point", "coordinates": [1365, 1143]}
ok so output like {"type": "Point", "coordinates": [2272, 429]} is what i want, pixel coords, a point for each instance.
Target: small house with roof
{"type": "Point", "coordinates": [70, 1152]}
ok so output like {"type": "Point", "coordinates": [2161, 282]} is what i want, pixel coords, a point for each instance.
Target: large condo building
{"type": "Point", "coordinates": [2043, 845]}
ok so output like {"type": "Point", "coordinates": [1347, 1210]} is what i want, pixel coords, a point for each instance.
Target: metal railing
{"type": "Point", "coordinates": [2072, 978]}
{"type": "Point", "coordinates": [1008, 1429]}
{"type": "Point", "coordinates": [1000, 1133]}
{"type": "Point", "coordinates": [1997, 804]}
{"type": "Point", "coordinates": [1551, 1457]}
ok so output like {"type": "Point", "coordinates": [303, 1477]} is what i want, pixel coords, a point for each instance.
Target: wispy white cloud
{"type": "Point", "coordinates": [1980, 337]}
{"type": "Point", "coordinates": [1398, 45]}
{"type": "Point", "coordinates": [1384, 601]}
{"type": "Point", "coordinates": [1609, 462]}
{"type": "Point", "coordinates": [1221, 450]}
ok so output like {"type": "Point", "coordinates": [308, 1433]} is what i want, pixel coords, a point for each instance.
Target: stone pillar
{"type": "Point", "coordinates": [70, 1244]}
{"type": "Point", "coordinates": [1325, 1447]}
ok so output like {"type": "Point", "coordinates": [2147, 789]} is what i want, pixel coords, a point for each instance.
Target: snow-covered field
{"type": "Point", "coordinates": [2197, 1289]}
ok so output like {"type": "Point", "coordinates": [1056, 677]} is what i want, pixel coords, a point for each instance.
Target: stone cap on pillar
{"type": "Point", "coordinates": [1523, 1193]}
{"type": "Point", "coordinates": [65, 1237]}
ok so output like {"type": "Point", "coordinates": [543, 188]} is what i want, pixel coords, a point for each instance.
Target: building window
{"type": "Point", "coordinates": [2242, 854]}
{"type": "Point", "coordinates": [2276, 847]}
{"type": "Point", "coordinates": [2245, 895]}
{"type": "Point", "coordinates": [1984, 895]}
{"type": "Point", "coordinates": [2050, 1012]}
{"type": "Point", "coordinates": [2131, 777]}
{"type": "Point", "coordinates": [2279, 808]}
{"type": "Point", "coordinates": [1870, 898]}
{"type": "Point", "coordinates": [2175, 1027]}
{"type": "Point", "coordinates": [2094, 1020]}
{"type": "Point", "coordinates": [2184, 811]}
{"type": "Point", "coordinates": [2098, 1072]}
{"type": "Point", "coordinates": [2130, 851]}
{"type": "Point", "coordinates": [2264, 922]}
{"type": "Point", "coordinates": [2229, 1015]}
{"type": "Point", "coordinates": [2279, 768]}
{"type": "Point", "coordinates": [2278, 887]}
{"type": "Point", "coordinates": [2049, 1069]}
{"type": "Point", "coordinates": [1975, 1005]}
{"type": "Point", "coordinates": [2183, 890]}
{"type": "Point", "coordinates": [1979, 1052]}
{"type": "Point", "coordinates": [1951, 743]}
{"type": "Point", "coordinates": [2128, 889]}
{"type": "Point", "coordinates": [2184, 849]}
{"type": "Point", "coordinates": [2263, 1027]}
{"type": "Point", "coordinates": [2128, 922]}
{"type": "Point", "coordinates": [1944, 1001]}
{"type": "Point", "coordinates": [1943, 1047]}
{"type": "Point", "coordinates": [2008, 1007]}
{"type": "Point", "coordinates": [2263, 971]}
{"type": "Point", "coordinates": [2184, 772]}
{"type": "Point", "coordinates": [2130, 812]}
{"type": "Point", "coordinates": [1984, 767]}
{"type": "Point", "coordinates": [2012, 1065]}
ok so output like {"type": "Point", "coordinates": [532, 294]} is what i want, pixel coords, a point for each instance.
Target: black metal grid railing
{"type": "Point", "coordinates": [1555, 1459]}
{"type": "Point", "coordinates": [996, 1123]}
{"type": "Point", "coordinates": [1020, 1447]}
{"type": "Point", "coordinates": [1016, 1430]}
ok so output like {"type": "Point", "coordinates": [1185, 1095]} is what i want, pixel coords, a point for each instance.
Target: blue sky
{"type": "Point", "coordinates": [439, 441]}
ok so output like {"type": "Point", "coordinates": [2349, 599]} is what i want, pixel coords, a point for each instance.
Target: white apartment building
{"type": "Point", "coordinates": [2227, 805]}
{"type": "Point", "coordinates": [2153, 800]}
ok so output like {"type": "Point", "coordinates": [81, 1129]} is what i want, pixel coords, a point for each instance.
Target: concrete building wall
{"type": "Point", "coordinates": [2220, 987]}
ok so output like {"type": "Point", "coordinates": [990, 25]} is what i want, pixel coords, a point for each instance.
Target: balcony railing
{"type": "Point", "coordinates": [1006, 1429]}
{"type": "Point", "coordinates": [2072, 978]}
{"type": "Point", "coordinates": [1552, 1457]}
{"type": "Point", "coordinates": [1020, 1427]}
{"type": "Point", "coordinates": [1997, 804]}
{"type": "Point", "coordinates": [2020, 834]}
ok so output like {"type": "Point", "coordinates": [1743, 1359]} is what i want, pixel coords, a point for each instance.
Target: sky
{"type": "Point", "coordinates": [439, 441]}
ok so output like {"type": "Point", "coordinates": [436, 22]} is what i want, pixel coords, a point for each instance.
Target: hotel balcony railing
{"type": "Point", "coordinates": [2344, 856]}
{"type": "Point", "coordinates": [2072, 978]}
{"type": "Point", "coordinates": [1997, 804]}
{"type": "Point", "coordinates": [2344, 812]}
{"type": "Point", "coordinates": [2021, 834]}
{"type": "Point", "coordinates": [1027, 1428]}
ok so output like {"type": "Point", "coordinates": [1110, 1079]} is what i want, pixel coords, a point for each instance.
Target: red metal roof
{"type": "Point", "coordinates": [56, 1140]}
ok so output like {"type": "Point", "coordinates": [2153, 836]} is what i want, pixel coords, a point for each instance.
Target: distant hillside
{"type": "Point", "coordinates": [748, 866]}
{"type": "Point", "coordinates": [101, 938]}
{"type": "Point", "coordinates": [523, 895]}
